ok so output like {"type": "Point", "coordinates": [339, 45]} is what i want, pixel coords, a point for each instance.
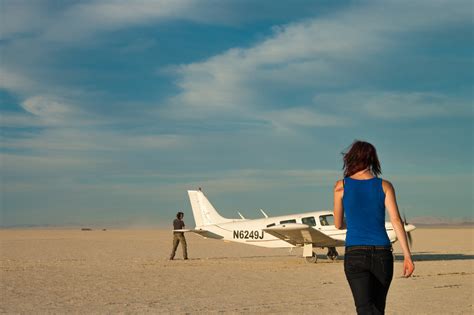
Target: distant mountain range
{"type": "Point", "coordinates": [428, 220]}
{"type": "Point", "coordinates": [419, 221]}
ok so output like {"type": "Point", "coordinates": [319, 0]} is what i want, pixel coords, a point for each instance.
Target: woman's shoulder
{"type": "Point", "coordinates": [386, 185]}
{"type": "Point", "coordinates": [339, 185]}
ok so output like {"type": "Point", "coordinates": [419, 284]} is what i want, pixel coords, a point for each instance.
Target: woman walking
{"type": "Point", "coordinates": [363, 197]}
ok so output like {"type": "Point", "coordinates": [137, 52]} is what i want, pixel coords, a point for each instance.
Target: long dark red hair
{"type": "Point", "coordinates": [361, 155]}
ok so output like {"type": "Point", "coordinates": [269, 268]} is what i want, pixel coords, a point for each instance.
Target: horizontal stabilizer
{"type": "Point", "coordinates": [203, 233]}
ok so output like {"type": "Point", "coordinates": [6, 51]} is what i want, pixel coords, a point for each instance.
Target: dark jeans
{"type": "Point", "coordinates": [369, 271]}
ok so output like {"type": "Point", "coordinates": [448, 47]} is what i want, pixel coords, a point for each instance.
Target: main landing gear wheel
{"type": "Point", "coordinates": [312, 259]}
{"type": "Point", "coordinates": [332, 253]}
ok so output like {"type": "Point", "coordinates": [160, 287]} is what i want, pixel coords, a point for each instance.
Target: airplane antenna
{"type": "Point", "coordinates": [241, 215]}
{"type": "Point", "coordinates": [264, 214]}
{"type": "Point", "coordinates": [410, 239]}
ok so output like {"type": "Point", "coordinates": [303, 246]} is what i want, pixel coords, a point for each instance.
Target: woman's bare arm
{"type": "Point", "coordinates": [392, 208]}
{"type": "Point", "coordinates": [338, 207]}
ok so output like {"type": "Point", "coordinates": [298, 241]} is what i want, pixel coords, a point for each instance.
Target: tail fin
{"type": "Point", "coordinates": [203, 211]}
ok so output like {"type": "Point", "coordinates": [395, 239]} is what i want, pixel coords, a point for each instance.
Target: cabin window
{"type": "Point", "coordinates": [309, 221]}
{"type": "Point", "coordinates": [288, 221]}
{"type": "Point", "coordinates": [326, 220]}
{"type": "Point", "coordinates": [270, 225]}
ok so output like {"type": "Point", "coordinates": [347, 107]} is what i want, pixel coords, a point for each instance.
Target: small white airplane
{"type": "Point", "coordinates": [308, 230]}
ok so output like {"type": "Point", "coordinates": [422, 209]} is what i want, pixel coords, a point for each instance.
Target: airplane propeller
{"type": "Point", "coordinates": [405, 223]}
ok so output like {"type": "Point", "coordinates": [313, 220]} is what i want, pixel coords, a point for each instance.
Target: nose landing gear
{"type": "Point", "coordinates": [332, 253]}
{"type": "Point", "coordinates": [312, 259]}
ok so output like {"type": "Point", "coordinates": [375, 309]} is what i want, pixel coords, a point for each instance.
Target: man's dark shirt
{"type": "Point", "coordinates": [178, 224]}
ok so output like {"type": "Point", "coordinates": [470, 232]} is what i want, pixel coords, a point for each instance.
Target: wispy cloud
{"type": "Point", "coordinates": [15, 82]}
{"type": "Point", "coordinates": [316, 55]}
{"type": "Point", "coordinates": [75, 21]}
{"type": "Point", "coordinates": [49, 109]}
{"type": "Point", "coordinates": [14, 163]}
{"type": "Point", "coordinates": [248, 180]}
{"type": "Point", "coordinates": [286, 119]}
{"type": "Point", "coordinates": [19, 120]}
{"type": "Point", "coordinates": [23, 17]}
{"type": "Point", "coordinates": [395, 105]}
{"type": "Point", "coordinates": [89, 141]}
{"type": "Point", "coordinates": [81, 20]}
{"type": "Point", "coordinates": [415, 105]}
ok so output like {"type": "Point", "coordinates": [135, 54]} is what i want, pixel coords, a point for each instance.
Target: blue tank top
{"type": "Point", "coordinates": [364, 207]}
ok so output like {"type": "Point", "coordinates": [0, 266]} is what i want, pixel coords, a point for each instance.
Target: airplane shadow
{"type": "Point", "coordinates": [417, 256]}
{"type": "Point", "coordinates": [430, 256]}
{"type": "Point", "coordinates": [237, 257]}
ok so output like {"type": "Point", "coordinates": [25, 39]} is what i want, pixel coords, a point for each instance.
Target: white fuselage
{"type": "Point", "coordinates": [251, 231]}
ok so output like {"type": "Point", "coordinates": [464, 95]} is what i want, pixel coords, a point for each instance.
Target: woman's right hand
{"type": "Point", "coordinates": [408, 267]}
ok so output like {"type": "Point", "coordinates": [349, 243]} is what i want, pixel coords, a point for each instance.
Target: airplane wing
{"type": "Point", "coordinates": [203, 233]}
{"type": "Point", "coordinates": [300, 234]}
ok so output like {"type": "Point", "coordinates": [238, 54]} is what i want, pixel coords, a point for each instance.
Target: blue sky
{"type": "Point", "coordinates": [111, 110]}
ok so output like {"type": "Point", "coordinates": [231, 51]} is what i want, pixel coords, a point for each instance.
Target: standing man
{"type": "Point", "coordinates": [178, 224]}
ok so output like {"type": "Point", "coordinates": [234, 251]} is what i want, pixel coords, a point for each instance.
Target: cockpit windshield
{"type": "Point", "coordinates": [326, 220]}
